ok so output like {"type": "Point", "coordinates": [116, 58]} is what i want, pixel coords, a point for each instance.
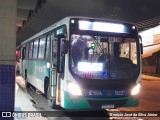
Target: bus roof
{"type": "Point", "coordinates": [65, 21]}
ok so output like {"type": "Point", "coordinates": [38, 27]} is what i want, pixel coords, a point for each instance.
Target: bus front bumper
{"type": "Point", "coordinates": [72, 102]}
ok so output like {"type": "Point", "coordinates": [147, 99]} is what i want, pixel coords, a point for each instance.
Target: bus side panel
{"type": "Point", "coordinates": [37, 71]}
{"type": "Point", "coordinates": [31, 68]}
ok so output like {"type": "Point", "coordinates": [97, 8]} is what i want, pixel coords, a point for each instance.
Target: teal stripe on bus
{"type": "Point", "coordinates": [38, 69]}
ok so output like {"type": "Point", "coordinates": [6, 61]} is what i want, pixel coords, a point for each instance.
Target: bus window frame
{"type": "Point", "coordinates": [41, 38]}
{"type": "Point", "coordinates": [27, 51]}
{"type": "Point", "coordinates": [30, 57]}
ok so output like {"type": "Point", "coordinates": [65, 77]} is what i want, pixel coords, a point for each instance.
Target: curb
{"type": "Point", "coordinates": [150, 79]}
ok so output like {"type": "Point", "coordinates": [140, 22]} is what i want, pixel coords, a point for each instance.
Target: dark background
{"type": "Point", "coordinates": [54, 10]}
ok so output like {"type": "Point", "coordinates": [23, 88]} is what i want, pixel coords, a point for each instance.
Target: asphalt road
{"type": "Point", "coordinates": [149, 101]}
{"type": "Point", "coordinates": [40, 103]}
{"type": "Point", "coordinates": [149, 97]}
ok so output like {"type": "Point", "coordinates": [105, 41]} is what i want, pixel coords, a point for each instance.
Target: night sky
{"type": "Point", "coordinates": [124, 10]}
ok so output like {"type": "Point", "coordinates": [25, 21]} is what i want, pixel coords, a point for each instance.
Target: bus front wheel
{"type": "Point", "coordinates": [26, 80]}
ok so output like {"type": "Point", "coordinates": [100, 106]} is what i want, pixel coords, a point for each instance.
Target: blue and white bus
{"type": "Point", "coordinates": [85, 63]}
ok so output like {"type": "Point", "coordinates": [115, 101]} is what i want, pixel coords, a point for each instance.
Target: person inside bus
{"type": "Point", "coordinates": [86, 51]}
{"type": "Point", "coordinates": [103, 57]}
{"type": "Point", "coordinates": [78, 50]}
{"type": "Point", "coordinates": [121, 64]}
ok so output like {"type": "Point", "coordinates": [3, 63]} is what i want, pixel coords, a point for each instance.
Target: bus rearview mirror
{"type": "Point", "coordinates": [141, 46]}
{"type": "Point", "coordinates": [64, 43]}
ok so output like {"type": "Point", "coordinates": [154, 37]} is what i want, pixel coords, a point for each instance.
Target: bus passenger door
{"type": "Point", "coordinates": [57, 68]}
{"type": "Point", "coordinates": [53, 81]}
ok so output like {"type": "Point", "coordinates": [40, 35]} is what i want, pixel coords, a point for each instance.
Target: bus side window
{"type": "Point", "coordinates": [23, 53]}
{"type": "Point", "coordinates": [47, 47]}
{"type": "Point", "coordinates": [30, 49]}
{"type": "Point", "coordinates": [42, 48]}
{"type": "Point", "coordinates": [26, 50]}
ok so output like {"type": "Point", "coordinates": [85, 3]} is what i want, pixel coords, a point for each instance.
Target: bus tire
{"type": "Point", "coordinates": [46, 83]}
{"type": "Point", "coordinates": [26, 79]}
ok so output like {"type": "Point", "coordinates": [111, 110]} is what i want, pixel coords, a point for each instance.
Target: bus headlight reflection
{"type": "Point", "coordinates": [74, 89]}
{"type": "Point", "coordinates": [136, 89]}
{"type": "Point", "coordinates": [48, 65]}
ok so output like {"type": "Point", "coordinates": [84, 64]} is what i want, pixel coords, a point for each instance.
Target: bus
{"type": "Point", "coordinates": [85, 63]}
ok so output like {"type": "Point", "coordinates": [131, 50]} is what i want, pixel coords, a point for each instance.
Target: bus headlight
{"type": "Point", "coordinates": [74, 89]}
{"type": "Point", "coordinates": [136, 89]}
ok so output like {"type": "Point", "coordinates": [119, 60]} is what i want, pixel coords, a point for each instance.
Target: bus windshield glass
{"type": "Point", "coordinates": [104, 57]}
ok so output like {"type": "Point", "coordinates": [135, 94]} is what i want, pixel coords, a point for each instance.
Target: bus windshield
{"type": "Point", "coordinates": [104, 57]}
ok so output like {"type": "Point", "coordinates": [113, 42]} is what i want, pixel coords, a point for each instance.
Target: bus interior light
{"type": "Point", "coordinates": [74, 88]}
{"type": "Point", "coordinates": [136, 89]}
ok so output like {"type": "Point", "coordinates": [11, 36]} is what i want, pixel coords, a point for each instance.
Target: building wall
{"type": "Point", "coordinates": [8, 11]}
{"type": "Point", "coordinates": [151, 64]}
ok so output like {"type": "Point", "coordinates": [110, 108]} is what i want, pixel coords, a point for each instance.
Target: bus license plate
{"type": "Point", "coordinates": [107, 106]}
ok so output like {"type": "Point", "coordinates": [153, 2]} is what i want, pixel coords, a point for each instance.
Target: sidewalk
{"type": "Point", "coordinates": [23, 101]}
{"type": "Point", "coordinates": [150, 77]}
